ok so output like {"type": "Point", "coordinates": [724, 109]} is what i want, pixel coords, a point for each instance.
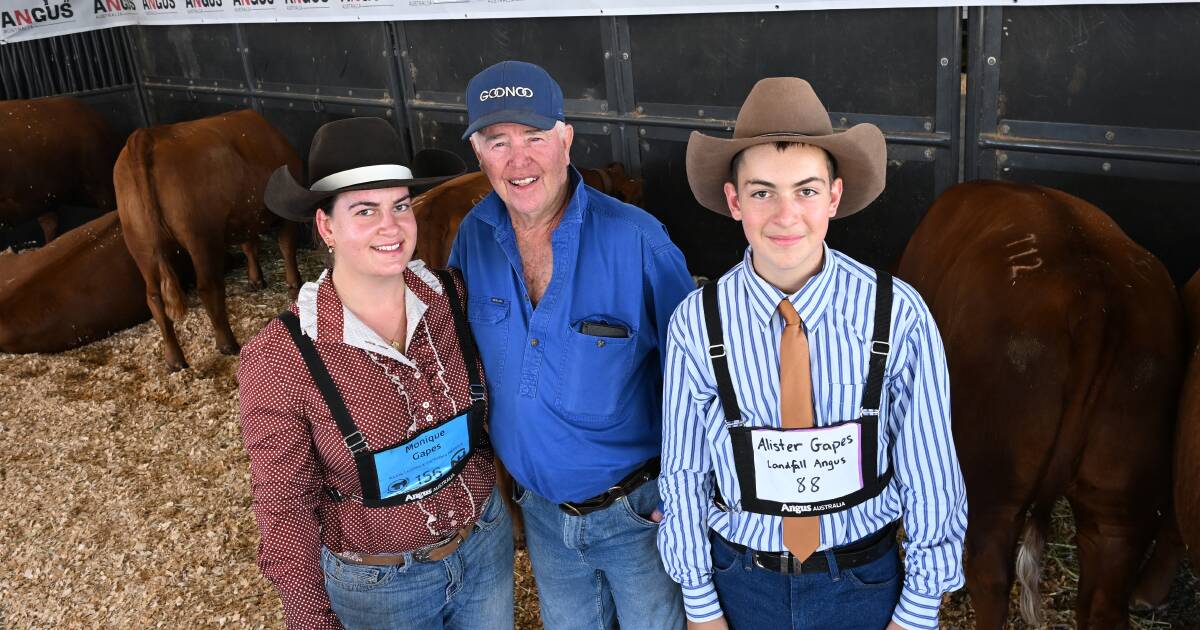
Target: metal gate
{"type": "Point", "coordinates": [635, 87]}
{"type": "Point", "coordinates": [336, 71]}
{"type": "Point", "coordinates": [1100, 101]}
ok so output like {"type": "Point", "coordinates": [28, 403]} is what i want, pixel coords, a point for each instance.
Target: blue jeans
{"type": "Point", "coordinates": [471, 589]}
{"type": "Point", "coordinates": [600, 569]}
{"type": "Point", "coordinates": [754, 598]}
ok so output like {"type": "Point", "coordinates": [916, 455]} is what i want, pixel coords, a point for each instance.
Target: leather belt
{"type": "Point", "coordinates": [860, 552]}
{"type": "Point", "coordinates": [626, 486]}
{"type": "Point", "coordinates": [432, 553]}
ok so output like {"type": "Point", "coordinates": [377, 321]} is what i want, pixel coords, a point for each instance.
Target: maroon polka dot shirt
{"type": "Point", "coordinates": [296, 449]}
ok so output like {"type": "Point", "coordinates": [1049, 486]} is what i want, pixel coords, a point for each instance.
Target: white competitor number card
{"type": "Point", "coordinates": [808, 465]}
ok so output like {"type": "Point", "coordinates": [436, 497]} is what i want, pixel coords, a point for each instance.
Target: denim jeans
{"type": "Point", "coordinates": [471, 589]}
{"type": "Point", "coordinates": [600, 569]}
{"type": "Point", "coordinates": [754, 598]}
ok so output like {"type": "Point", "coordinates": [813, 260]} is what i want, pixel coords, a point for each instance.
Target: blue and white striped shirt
{"type": "Point", "coordinates": [837, 307]}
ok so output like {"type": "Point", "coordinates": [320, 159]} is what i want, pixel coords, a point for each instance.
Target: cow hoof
{"type": "Point", "coordinates": [231, 349]}
{"type": "Point", "coordinates": [257, 285]}
{"type": "Point", "coordinates": [175, 366]}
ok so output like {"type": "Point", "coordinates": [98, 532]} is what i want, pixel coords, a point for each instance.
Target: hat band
{"type": "Point", "coordinates": [361, 175]}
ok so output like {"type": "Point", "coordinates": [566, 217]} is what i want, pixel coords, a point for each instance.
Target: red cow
{"type": "Point", "coordinates": [196, 186]}
{"type": "Point", "coordinates": [81, 287]}
{"type": "Point", "coordinates": [1187, 438]}
{"type": "Point", "coordinates": [54, 150]}
{"type": "Point", "coordinates": [1063, 339]}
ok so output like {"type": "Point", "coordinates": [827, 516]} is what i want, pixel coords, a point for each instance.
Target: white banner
{"type": "Point", "coordinates": [22, 20]}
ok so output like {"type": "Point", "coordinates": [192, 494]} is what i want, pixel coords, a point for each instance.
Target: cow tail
{"type": "Point", "coordinates": [1029, 564]}
{"type": "Point", "coordinates": [169, 286]}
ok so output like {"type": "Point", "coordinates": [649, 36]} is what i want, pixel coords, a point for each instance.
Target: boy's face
{"type": "Point", "coordinates": [784, 200]}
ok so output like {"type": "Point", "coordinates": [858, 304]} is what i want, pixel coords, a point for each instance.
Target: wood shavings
{"type": "Point", "coordinates": [127, 492]}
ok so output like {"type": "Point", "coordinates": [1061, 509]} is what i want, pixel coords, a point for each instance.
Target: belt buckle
{"type": "Point", "coordinates": [423, 555]}
{"type": "Point", "coordinates": [571, 509]}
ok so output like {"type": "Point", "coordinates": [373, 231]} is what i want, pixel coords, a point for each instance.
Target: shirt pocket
{"type": "Point", "coordinates": [489, 318]}
{"type": "Point", "coordinates": [595, 372]}
{"type": "Point", "coordinates": [842, 402]}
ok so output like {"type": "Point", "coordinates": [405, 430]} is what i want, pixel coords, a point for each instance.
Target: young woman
{"type": "Point", "coordinates": [363, 412]}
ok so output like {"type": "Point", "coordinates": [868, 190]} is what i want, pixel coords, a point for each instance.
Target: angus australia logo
{"type": "Point", "coordinates": [37, 15]}
{"type": "Point", "coordinates": [202, 4]}
{"type": "Point", "coordinates": [108, 6]}
{"type": "Point", "coordinates": [501, 92]}
{"type": "Point", "coordinates": [158, 5]}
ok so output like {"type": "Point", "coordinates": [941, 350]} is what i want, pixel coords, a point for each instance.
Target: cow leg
{"type": "Point", "coordinates": [288, 233]}
{"type": "Point", "coordinates": [253, 269]}
{"type": "Point", "coordinates": [1111, 546]}
{"type": "Point", "coordinates": [49, 222]}
{"type": "Point", "coordinates": [172, 353]}
{"type": "Point", "coordinates": [990, 550]}
{"type": "Point", "coordinates": [210, 282]}
{"type": "Point", "coordinates": [1155, 582]}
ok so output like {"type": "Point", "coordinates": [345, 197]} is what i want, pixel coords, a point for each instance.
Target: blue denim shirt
{"type": "Point", "coordinates": [571, 413]}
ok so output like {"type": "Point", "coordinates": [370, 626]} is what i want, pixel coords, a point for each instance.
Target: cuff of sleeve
{"type": "Point", "coordinates": [700, 602]}
{"type": "Point", "coordinates": [916, 611]}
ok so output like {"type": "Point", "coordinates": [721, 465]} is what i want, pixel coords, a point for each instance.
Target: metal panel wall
{"type": "Point", "coordinates": [299, 76]}
{"type": "Point", "coordinates": [1099, 101]}
{"type": "Point", "coordinates": [634, 88]}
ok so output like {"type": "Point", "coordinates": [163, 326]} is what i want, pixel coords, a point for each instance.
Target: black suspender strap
{"type": "Point", "coordinates": [316, 367]}
{"type": "Point", "coordinates": [880, 348]}
{"type": "Point", "coordinates": [717, 356]}
{"type": "Point", "coordinates": [466, 341]}
{"type": "Point", "coordinates": [873, 393]}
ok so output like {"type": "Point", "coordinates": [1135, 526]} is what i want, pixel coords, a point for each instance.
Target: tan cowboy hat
{"type": "Point", "coordinates": [785, 109]}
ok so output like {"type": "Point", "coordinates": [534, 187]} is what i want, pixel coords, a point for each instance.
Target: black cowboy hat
{"type": "Point", "coordinates": [356, 154]}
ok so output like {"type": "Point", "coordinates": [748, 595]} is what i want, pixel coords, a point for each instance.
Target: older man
{"type": "Point", "coordinates": [570, 292]}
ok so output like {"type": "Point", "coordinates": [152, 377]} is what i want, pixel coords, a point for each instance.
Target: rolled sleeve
{"type": "Point", "coordinates": [700, 602]}
{"type": "Point", "coordinates": [286, 487]}
{"type": "Point", "coordinates": [916, 611]}
{"type": "Point", "coordinates": [932, 491]}
{"type": "Point", "coordinates": [685, 482]}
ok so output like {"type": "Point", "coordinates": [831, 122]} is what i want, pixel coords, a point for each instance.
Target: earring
{"type": "Point", "coordinates": [330, 247]}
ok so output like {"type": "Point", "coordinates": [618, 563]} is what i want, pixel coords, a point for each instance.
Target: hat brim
{"type": "Point", "coordinates": [519, 116]}
{"type": "Point", "coordinates": [860, 151]}
{"type": "Point", "coordinates": [285, 196]}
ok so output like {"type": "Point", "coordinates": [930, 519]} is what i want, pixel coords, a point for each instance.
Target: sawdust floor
{"type": "Point", "coordinates": [126, 492]}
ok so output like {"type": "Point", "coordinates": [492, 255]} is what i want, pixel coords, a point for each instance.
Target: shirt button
{"type": "Point", "coordinates": [599, 343]}
{"type": "Point", "coordinates": [429, 416]}
{"type": "Point", "coordinates": [425, 404]}
{"type": "Point", "coordinates": [533, 342]}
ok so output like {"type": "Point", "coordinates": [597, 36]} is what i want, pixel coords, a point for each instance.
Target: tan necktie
{"type": "Point", "coordinates": [801, 534]}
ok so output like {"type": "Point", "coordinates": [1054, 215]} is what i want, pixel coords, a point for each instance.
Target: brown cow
{"type": "Point", "coordinates": [54, 150]}
{"type": "Point", "coordinates": [1063, 339]}
{"type": "Point", "coordinates": [1160, 569]}
{"type": "Point", "coordinates": [196, 186]}
{"type": "Point", "coordinates": [1183, 524]}
{"type": "Point", "coordinates": [440, 210]}
{"type": "Point", "coordinates": [81, 287]}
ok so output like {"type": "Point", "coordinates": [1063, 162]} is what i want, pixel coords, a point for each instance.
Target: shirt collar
{"type": "Point", "coordinates": [491, 209]}
{"type": "Point", "coordinates": [811, 301]}
{"type": "Point", "coordinates": [322, 311]}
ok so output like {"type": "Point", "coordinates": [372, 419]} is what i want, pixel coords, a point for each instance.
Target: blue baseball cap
{"type": "Point", "coordinates": [513, 92]}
